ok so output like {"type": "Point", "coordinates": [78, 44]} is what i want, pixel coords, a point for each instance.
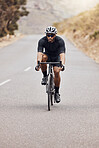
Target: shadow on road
{"type": "Point", "coordinates": [43, 107]}
{"type": "Point", "coordinates": [34, 107]}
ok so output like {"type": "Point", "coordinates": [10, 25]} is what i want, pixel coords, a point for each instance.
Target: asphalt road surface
{"type": "Point", "coordinates": [24, 119]}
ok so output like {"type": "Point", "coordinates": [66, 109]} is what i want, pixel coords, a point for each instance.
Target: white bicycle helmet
{"type": "Point", "coordinates": [51, 29]}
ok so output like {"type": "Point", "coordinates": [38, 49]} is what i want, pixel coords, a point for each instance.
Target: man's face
{"type": "Point", "coordinates": [50, 37]}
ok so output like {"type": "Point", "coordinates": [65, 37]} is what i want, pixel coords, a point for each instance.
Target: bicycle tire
{"type": "Point", "coordinates": [50, 91]}
{"type": "Point", "coordinates": [49, 101]}
{"type": "Point", "coordinates": [50, 95]}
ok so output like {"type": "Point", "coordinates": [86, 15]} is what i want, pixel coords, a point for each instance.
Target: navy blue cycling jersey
{"type": "Point", "coordinates": [52, 49]}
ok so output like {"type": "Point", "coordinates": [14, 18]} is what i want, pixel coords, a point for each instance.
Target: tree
{"type": "Point", "coordinates": [10, 13]}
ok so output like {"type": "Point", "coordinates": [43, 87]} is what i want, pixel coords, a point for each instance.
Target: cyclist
{"type": "Point", "coordinates": [51, 48]}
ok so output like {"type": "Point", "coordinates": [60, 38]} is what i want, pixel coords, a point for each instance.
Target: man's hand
{"type": "Point", "coordinates": [62, 59]}
{"type": "Point", "coordinates": [37, 68]}
{"type": "Point", "coordinates": [61, 68]}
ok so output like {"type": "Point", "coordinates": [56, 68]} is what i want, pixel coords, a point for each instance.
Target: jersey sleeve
{"type": "Point", "coordinates": [40, 46]}
{"type": "Point", "coordinates": [62, 47]}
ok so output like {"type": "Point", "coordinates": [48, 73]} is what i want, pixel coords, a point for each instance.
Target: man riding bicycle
{"type": "Point", "coordinates": [51, 48]}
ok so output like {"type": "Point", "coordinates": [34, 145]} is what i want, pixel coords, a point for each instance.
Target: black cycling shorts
{"type": "Point", "coordinates": [53, 59]}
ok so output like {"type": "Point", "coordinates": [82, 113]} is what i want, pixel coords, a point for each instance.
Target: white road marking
{"type": "Point", "coordinates": [27, 69]}
{"type": "Point", "coordinates": [5, 82]}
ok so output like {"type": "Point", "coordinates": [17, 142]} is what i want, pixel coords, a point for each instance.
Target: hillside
{"type": "Point", "coordinates": [83, 31]}
{"type": "Point", "coordinates": [44, 12]}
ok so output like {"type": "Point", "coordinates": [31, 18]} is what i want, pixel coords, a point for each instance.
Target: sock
{"type": "Point", "coordinates": [56, 89]}
{"type": "Point", "coordinates": [45, 73]}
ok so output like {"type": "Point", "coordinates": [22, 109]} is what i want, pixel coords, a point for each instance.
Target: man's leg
{"type": "Point", "coordinates": [57, 83]}
{"type": "Point", "coordinates": [44, 69]}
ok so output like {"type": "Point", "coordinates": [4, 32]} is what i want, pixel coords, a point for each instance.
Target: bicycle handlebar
{"type": "Point", "coordinates": [50, 63]}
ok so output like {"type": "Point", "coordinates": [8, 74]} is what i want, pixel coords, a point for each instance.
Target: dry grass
{"type": "Point", "coordinates": [7, 40]}
{"type": "Point", "coordinates": [83, 31]}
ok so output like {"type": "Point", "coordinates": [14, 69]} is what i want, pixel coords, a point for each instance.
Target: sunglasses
{"type": "Point", "coordinates": [50, 35]}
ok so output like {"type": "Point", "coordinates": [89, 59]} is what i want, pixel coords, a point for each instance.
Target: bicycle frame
{"type": "Point", "coordinates": [50, 82]}
{"type": "Point", "coordinates": [50, 76]}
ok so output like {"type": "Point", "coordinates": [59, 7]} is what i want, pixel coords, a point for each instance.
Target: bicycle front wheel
{"type": "Point", "coordinates": [49, 101]}
{"type": "Point", "coordinates": [50, 91]}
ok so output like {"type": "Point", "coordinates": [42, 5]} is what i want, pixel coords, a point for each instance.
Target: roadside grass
{"type": "Point", "coordinates": [83, 31]}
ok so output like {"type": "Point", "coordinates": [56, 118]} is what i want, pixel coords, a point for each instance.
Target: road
{"type": "Point", "coordinates": [24, 119]}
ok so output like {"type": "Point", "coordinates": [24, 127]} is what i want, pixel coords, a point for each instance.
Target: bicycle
{"type": "Point", "coordinates": [50, 82]}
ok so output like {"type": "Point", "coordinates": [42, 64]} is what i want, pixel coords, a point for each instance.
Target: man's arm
{"type": "Point", "coordinates": [39, 56]}
{"type": "Point", "coordinates": [62, 51]}
{"type": "Point", "coordinates": [62, 58]}
{"type": "Point", "coordinates": [40, 50]}
{"type": "Point", "coordinates": [39, 53]}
